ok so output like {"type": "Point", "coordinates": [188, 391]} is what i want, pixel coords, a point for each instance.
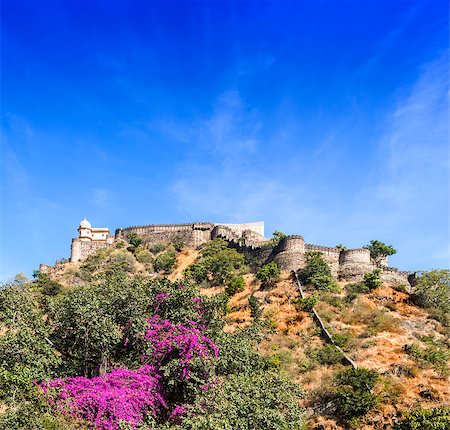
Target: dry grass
{"type": "Point", "coordinates": [184, 259]}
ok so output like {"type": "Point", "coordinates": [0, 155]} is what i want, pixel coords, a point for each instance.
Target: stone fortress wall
{"type": "Point", "coordinates": [289, 254]}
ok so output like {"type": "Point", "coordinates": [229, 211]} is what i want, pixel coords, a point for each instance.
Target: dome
{"type": "Point", "coordinates": [85, 224]}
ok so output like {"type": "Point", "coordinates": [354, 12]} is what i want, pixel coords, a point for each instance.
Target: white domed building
{"type": "Point", "coordinates": [89, 240]}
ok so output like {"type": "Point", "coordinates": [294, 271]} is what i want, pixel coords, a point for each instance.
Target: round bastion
{"type": "Point", "coordinates": [358, 255]}
{"type": "Point", "coordinates": [354, 263]}
{"type": "Point", "coordinates": [291, 253]}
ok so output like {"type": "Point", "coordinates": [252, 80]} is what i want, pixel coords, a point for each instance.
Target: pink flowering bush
{"type": "Point", "coordinates": [184, 343]}
{"type": "Point", "coordinates": [178, 362]}
{"type": "Point", "coordinates": [123, 395]}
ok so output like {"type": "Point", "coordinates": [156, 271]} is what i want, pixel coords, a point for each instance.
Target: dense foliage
{"type": "Point", "coordinates": [432, 291]}
{"type": "Point", "coordinates": [217, 264]}
{"type": "Point", "coordinates": [429, 419]}
{"type": "Point", "coordinates": [123, 351]}
{"type": "Point", "coordinates": [353, 393]}
{"type": "Point", "coordinates": [268, 274]}
{"type": "Point", "coordinates": [372, 280]}
{"type": "Point", "coordinates": [317, 272]}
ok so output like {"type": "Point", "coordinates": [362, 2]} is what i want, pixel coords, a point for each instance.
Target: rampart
{"type": "Point", "coordinates": [82, 249]}
{"type": "Point", "coordinates": [289, 253]}
{"type": "Point", "coordinates": [353, 263]}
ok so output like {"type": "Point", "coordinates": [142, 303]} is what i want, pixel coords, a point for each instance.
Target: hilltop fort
{"type": "Point", "coordinates": [289, 253]}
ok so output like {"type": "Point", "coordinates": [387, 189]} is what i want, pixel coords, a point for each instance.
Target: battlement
{"type": "Point", "coordinates": [319, 248]}
{"type": "Point", "coordinates": [289, 253]}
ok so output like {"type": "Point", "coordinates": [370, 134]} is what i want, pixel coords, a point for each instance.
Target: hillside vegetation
{"type": "Point", "coordinates": [162, 337]}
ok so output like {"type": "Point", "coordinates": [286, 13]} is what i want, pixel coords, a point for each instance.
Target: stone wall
{"type": "Point", "coordinates": [394, 276]}
{"type": "Point", "coordinates": [257, 227]}
{"type": "Point", "coordinates": [192, 234]}
{"type": "Point", "coordinates": [81, 249]}
{"type": "Point", "coordinates": [290, 253]}
{"type": "Point", "coordinates": [330, 254]}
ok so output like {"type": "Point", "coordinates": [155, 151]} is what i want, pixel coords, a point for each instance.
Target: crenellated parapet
{"type": "Point", "coordinates": [289, 253]}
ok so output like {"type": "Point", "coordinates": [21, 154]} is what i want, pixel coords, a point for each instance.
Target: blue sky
{"type": "Point", "coordinates": [323, 118]}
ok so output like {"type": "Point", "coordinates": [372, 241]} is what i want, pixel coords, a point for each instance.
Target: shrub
{"type": "Point", "coordinates": [120, 396]}
{"type": "Point", "coordinates": [247, 402]}
{"type": "Point", "coordinates": [317, 272]}
{"type": "Point", "coordinates": [353, 395]}
{"type": "Point", "coordinates": [255, 308]}
{"type": "Point", "coordinates": [166, 261]}
{"type": "Point", "coordinates": [306, 304]}
{"type": "Point", "coordinates": [120, 262]}
{"type": "Point", "coordinates": [178, 243]}
{"type": "Point", "coordinates": [372, 280]}
{"type": "Point", "coordinates": [145, 257]}
{"type": "Point", "coordinates": [157, 248]}
{"type": "Point", "coordinates": [328, 354]}
{"type": "Point", "coordinates": [353, 290]}
{"type": "Point", "coordinates": [435, 353]}
{"type": "Point", "coordinates": [269, 274]}
{"type": "Point", "coordinates": [426, 419]}
{"type": "Point", "coordinates": [236, 285]}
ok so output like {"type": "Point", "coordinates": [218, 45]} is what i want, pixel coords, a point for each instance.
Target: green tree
{"type": "Point", "coordinates": [236, 285]}
{"type": "Point", "coordinates": [432, 291]}
{"type": "Point", "coordinates": [379, 249]}
{"type": "Point", "coordinates": [246, 402]}
{"type": "Point", "coordinates": [353, 395]}
{"type": "Point", "coordinates": [135, 241]}
{"type": "Point", "coordinates": [217, 264]}
{"type": "Point", "coordinates": [317, 272]}
{"type": "Point", "coordinates": [372, 280]}
{"type": "Point", "coordinates": [269, 274]}
{"type": "Point", "coordinates": [277, 236]}
{"type": "Point", "coordinates": [166, 261]}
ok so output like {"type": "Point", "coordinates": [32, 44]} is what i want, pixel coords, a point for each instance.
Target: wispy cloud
{"type": "Point", "coordinates": [401, 198]}
{"type": "Point", "coordinates": [408, 197]}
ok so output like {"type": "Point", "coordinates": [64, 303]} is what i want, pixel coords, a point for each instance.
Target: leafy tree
{"type": "Point", "coordinates": [236, 285]}
{"type": "Point", "coordinates": [47, 286]}
{"type": "Point", "coordinates": [89, 323]}
{"type": "Point", "coordinates": [246, 402]}
{"type": "Point", "coordinates": [213, 247]}
{"type": "Point", "coordinates": [277, 236]}
{"type": "Point", "coordinates": [379, 249]}
{"type": "Point", "coordinates": [306, 304]}
{"type": "Point", "coordinates": [238, 352]}
{"type": "Point", "coordinates": [353, 395]}
{"type": "Point", "coordinates": [24, 347]}
{"type": "Point", "coordinates": [432, 291]}
{"type": "Point", "coordinates": [166, 261]}
{"type": "Point", "coordinates": [145, 257]}
{"type": "Point", "coordinates": [269, 274]}
{"type": "Point", "coordinates": [217, 265]}
{"type": "Point", "coordinates": [134, 240]}
{"type": "Point", "coordinates": [341, 247]}
{"type": "Point", "coordinates": [317, 272]}
{"type": "Point", "coordinates": [372, 280]}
